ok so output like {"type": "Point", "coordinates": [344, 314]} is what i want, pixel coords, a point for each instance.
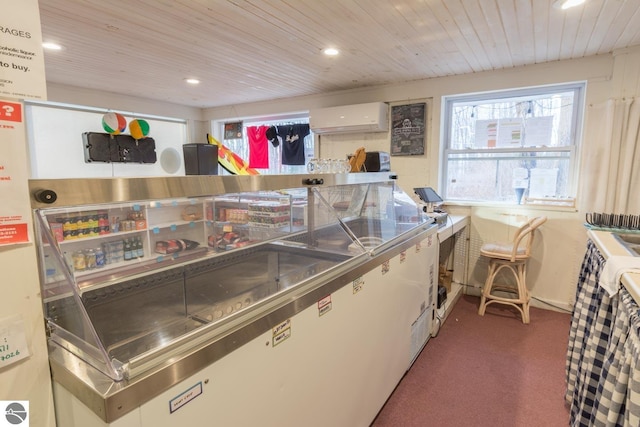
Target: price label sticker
{"type": "Point", "coordinates": [13, 340]}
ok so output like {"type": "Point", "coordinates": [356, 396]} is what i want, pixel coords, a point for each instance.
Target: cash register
{"type": "Point", "coordinates": [431, 200]}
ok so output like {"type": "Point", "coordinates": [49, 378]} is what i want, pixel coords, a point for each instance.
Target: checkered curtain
{"type": "Point", "coordinates": [603, 355]}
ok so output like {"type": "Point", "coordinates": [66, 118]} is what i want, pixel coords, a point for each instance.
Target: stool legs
{"type": "Point", "coordinates": [522, 298]}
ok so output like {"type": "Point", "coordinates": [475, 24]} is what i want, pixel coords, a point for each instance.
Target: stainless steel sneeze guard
{"type": "Point", "coordinates": [304, 271]}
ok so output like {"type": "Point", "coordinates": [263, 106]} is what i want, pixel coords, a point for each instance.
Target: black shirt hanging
{"type": "Point", "coordinates": [293, 143]}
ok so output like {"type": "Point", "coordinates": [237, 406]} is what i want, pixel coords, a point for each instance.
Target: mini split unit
{"type": "Point", "coordinates": [371, 117]}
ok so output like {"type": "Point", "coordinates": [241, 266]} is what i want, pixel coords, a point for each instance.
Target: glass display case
{"type": "Point", "coordinates": [131, 282]}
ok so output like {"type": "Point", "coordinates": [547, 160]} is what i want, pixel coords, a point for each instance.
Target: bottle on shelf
{"type": "Point", "coordinates": [79, 261]}
{"type": "Point", "coordinates": [90, 259]}
{"type": "Point", "coordinates": [139, 247]}
{"type": "Point", "coordinates": [128, 255]}
{"type": "Point", "coordinates": [100, 257]}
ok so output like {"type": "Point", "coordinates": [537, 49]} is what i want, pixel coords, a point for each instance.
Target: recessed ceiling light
{"type": "Point", "coordinates": [566, 4]}
{"type": "Point", "coordinates": [192, 81]}
{"type": "Point", "coordinates": [51, 46]}
{"type": "Point", "coordinates": [330, 51]}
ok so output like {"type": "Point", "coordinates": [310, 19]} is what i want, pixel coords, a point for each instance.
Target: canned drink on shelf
{"type": "Point", "coordinates": [92, 220]}
{"type": "Point", "coordinates": [103, 219]}
{"type": "Point", "coordinates": [57, 230]}
{"type": "Point", "coordinates": [100, 258]}
{"type": "Point", "coordinates": [68, 223]}
{"type": "Point", "coordinates": [81, 222]}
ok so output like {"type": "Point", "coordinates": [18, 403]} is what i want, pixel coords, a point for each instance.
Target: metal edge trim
{"type": "Point", "coordinates": [96, 191]}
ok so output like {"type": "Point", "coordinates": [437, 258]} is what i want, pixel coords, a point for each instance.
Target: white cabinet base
{"type": "Point", "coordinates": [333, 369]}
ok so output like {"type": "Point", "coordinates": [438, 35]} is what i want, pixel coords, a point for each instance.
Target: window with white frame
{"type": "Point", "coordinates": [516, 146]}
{"type": "Point", "coordinates": [275, 158]}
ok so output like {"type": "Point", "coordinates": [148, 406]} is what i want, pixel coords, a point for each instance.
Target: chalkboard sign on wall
{"type": "Point", "coordinates": [408, 129]}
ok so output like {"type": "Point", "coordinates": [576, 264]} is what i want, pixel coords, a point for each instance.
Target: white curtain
{"type": "Point", "coordinates": [610, 172]}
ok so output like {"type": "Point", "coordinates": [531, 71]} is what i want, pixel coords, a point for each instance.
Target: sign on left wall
{"type": "Point", "coordinates": [13, 214]}
{"type": "Point", "coordinates": [21, 59]}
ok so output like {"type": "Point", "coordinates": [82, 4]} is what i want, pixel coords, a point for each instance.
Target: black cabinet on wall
{"type": "Point", "coordinates": [200, 159]}
{"type": "Point", "coordinates": [103, 147]}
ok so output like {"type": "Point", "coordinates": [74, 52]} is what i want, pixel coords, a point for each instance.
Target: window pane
{"type": "Point", "coordinates": [543, 120]}
{"type": "Point", "coordinates": [486, 177]}
{"type": "Point", "coordinates": [521, 139]}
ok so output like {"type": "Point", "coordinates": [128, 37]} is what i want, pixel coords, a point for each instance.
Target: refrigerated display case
{"type": "Point", "coordinates": [148, 281]}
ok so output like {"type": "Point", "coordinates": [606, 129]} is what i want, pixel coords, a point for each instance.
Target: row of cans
{"type": "Point", "coordinates": [86, 220]}
{"type": "Point", "coordinates": [88, 259]}
{"type": "Point", "coordinates": [109, 253]}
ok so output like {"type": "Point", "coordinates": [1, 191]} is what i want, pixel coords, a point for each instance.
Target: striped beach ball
{"type": "Point", "coordinates": [138, 128]}
{"type": "Point", "coordinates": [114, 123]}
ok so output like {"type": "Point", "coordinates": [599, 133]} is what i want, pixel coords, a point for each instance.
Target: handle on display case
{"type": "Point", "coordinates": [313, 181]}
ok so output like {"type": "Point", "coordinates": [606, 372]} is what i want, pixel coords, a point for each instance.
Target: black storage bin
{"type": "Point", "coordinates": [200, 159]}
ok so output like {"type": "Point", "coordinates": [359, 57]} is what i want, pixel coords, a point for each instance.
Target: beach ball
{"type": "Point", "coordinates": [114, 123]}
{"type": "Point", "coordinates": [139, 128]}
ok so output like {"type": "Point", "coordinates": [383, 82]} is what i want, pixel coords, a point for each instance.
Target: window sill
{"type": "Point", "coordinates": [524, 206]}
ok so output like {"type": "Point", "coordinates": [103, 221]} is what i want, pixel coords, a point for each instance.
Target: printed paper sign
{"type": "Point", "coordinates": [281, 332]}
{"type": "Point", "coordinates": [21, 58]}
{"type": "Point", "coordinates": [10, 111]}
{"type": "Point", "coordinates": [324, 305]}
{"type": "Point", "coordinates": [14, 211]}
{"type": "Point", "coordinates": [386, 266]}
{"type": "Point", "coordinates": [538, 131]}
{"type": "Point", "coordinates": [185, 397]}
{"type": "Point", "coordinates": [13, 340]}
{"type": "Point", "coordinates": [13, 233]}
{"type": "Point", "coordinates": [358, 284]}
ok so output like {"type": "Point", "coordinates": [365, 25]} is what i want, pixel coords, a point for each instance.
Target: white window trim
{"type": "Point", "coordinates": [579, 87]}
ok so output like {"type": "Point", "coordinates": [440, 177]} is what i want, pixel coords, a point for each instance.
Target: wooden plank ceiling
{"type": "Point", "coordinates": [256, 50]}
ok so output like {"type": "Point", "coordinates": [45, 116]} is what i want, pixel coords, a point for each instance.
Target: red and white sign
{"type": "Point", "coordinates": [13, 233]}
{"type": "Point", "coordinates": [10, 112]}
{"type": "Point", "coordinates": [14, 211]}
{"type": "Point", "coordinates": [324, 305]}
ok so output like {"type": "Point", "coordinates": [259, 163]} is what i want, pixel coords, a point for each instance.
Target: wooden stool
{"type": "Point", "coordinates": [512, 256]}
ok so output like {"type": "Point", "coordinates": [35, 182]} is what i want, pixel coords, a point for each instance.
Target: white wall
{"type": "Point", "coordinates": [27, 379]}
{"type": "Point", "coordinates": [558, 253]}
{"type": "Point", "coordinates": [197, 128]}
{"type": "Point", "coordinates": [56, 145]}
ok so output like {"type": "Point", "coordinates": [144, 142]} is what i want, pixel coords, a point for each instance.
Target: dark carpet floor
{"type": "Point", "coordinates": [489, 370]}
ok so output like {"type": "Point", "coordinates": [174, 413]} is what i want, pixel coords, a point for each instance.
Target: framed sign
{"type": "Point", "coordinates": [408, 129]}
{"type": "Point", "coordinates": [233, 130]}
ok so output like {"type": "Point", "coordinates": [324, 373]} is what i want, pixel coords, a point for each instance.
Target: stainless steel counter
{"type": "Point", "coordinates": [128, 331]}
{"type": "Point", "coordinates": [111, 399]}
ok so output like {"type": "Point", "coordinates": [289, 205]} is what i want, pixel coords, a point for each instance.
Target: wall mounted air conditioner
{"type": "Point", "coordinates": [370, 117]}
